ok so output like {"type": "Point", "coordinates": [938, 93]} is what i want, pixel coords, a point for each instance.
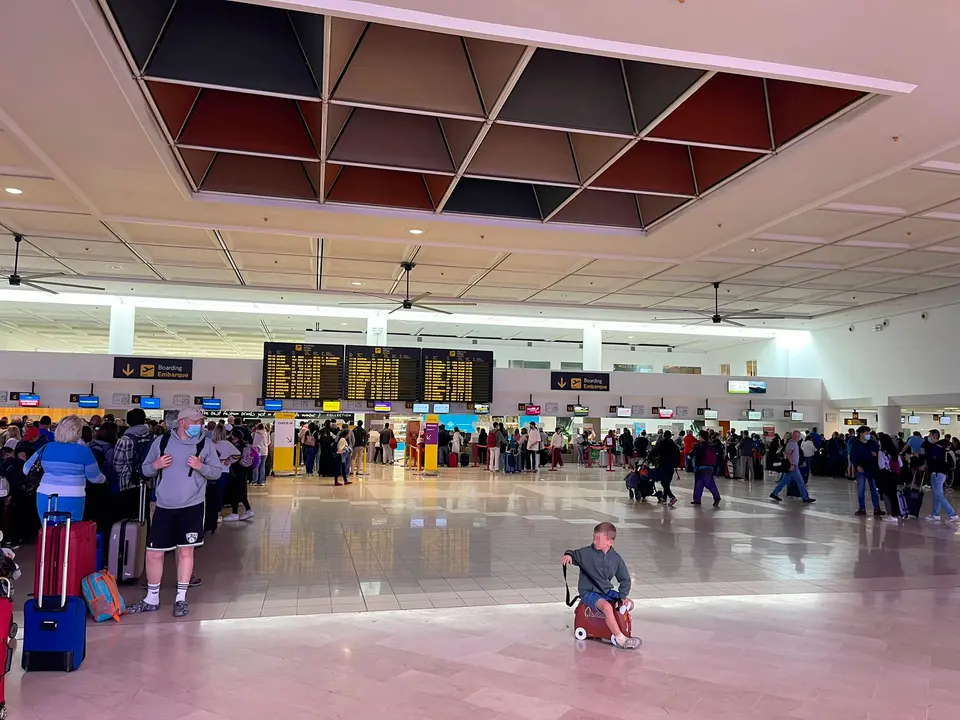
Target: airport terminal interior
{"type": "Point", "coordinates": [498, 360]}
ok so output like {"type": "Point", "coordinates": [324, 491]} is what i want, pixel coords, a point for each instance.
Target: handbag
{"type": "Point", "coordinates": [32, 479]}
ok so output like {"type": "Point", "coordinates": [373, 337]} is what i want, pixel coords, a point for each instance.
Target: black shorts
{"type": "Point", "coordinates": [182, 527]}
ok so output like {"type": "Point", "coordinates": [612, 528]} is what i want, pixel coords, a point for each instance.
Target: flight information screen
{"type": "Point", "coordinates": [457, 376]}
{"type": "Point", "coordinates": [294, 371]}
{"type": "Point", "coordinates": [382, 373]}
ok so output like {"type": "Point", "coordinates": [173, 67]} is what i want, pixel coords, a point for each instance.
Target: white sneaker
{"type": "Point", "coordinates": [232, 517]}
{"type": "Point", "coordinates": [891, 519]}
{"type": "Point", "coordinates": [954, 519]}
{"type": "Point", "coordinates": [933, 518]}
{"type": "Point", "coordinates": [247, 515]}
{"type": "Point", "coordinates": [219, 519]}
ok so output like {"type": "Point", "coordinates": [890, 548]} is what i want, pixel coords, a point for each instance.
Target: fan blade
{"type": "Point", "coordinates": [433, 309]}
{"type": "Point", "coordinates": [705, 313]}
{"type": "Point", "coordinates": [398, 307]}
{"type": "Point", "coordinates": [70, 285]}
{"type": "Point", "coordinates": [444, 302]}
{"type": "Point", "coordinates": [366, 304]}
{"type": "Point", "coordinates": [738, 316]}
{"type": "Point", "coordinates": [746, 312]}
{"type": "Point", "coordinates": [40, 276]}
{"type": "Point", "coordinates": [419, 297]}
{"type": "Point", "coordinates": [37, 287]}
{"type": "Point", "coordinates": [732, 322]}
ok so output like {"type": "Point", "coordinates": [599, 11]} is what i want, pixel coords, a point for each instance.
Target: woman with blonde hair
{"type": "Point", "coordinates": [67, 468]}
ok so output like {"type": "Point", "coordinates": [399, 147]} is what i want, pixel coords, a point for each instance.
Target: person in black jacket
{"type": "Point", "coordinates": [706, 454]}
{"type": "Point", "coordinates": [626, 447]}
{"type": "Point", "coordinates": [640, 445]}
{"type": "Point", "coordinates": [666, 454]}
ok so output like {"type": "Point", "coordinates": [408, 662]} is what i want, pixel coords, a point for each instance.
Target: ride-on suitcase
{"type": "Point", "coordinates": [83, 554]}
{"type": "Point", "coordinates": [8, 639]}
{"type": "Point", "coordinates": [452, 460]}
{"type": "Point", "coordinates": [591, 625]}
{"type": "Point", "coordinates": [54, 628]}
{"type": "Point", "coordinates": [128, 545]}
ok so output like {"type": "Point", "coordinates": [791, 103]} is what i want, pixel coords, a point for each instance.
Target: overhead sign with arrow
{"type": "Point", "coordinates": [580, 381]}
{"type": "Point", "coordinates": [133, 368]}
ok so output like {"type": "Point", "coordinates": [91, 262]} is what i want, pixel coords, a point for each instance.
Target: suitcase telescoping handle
{"type": "Point", "coordinates": [43, 557]}
{"type": "Point", "coordinates": [143, 502]}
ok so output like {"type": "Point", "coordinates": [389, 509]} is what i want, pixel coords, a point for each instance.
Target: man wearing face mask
{"type": "Point", "coordinates": [182, 461]}
{"type": "Point", "coordinates": [864, 458]}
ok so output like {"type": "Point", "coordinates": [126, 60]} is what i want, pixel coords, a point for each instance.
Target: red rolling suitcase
{"type": "Point", "coordinates": [82, 560]}
{"type": "Point", "coordinates": [454, 460]}
{"type": "Point", "coordinates": [8, 640]}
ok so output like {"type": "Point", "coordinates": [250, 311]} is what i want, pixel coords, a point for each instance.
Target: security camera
{"type": "Point", "coordinates": [885, 323]}
{"type": "Point", "coordinates": [850, 329]}
{"type": "Point", "coordinates": [670, 349]}
{"type": "Point", "coordinates": [923, 316]}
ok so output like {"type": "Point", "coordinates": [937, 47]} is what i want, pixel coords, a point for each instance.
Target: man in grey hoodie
{"type": "Point", "coordinates": [182, 462]}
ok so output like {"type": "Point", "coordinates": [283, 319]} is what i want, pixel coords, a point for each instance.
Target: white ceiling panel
{"type": "Point", "coordinates": [101, 268]}
{"type": "Point", "coordinates": [176, 236]}
{"type": "Point", "coordinates": [858, 297]}
{"type": "Point", "coordinates": [366, 285]}
{"type": "Point", "coordinates": [633, 301]}
{"type": "Point", "coordinates": [455, 257]}
{"type": "Point", "coordinates": [906, 233]}
{"type": "Point", "coordinates": [916, 283]}
{"type": "Point", "coordinates": [80, 249]}
{"type": "Point", "coordinates": [511, 279]}
{"type": "Point", "coordinates": [542, 263]}
{"type": "Point", "coordinates": [777, 276]}
{"type": "Point", "coordinates": [757, 252]}
{"type": "Point", "coordinates": [261, 262]}
{"type": "Point", "coordinates": [449, 274]}
{"type": "Point", "coordinates": [668, 288]}
{"type": "Point", "coordinates": [167, 255]}
{"type": "Point", "coordinates": [633, 269]}
{"type": "Point", "coordinates": [360, 269]}
{"type": "Point", "coordinates": [279, 280]}
{"type": "Point", "coordinates": [706, 271]}
{"type": "Point", "coordinates": [788, 294]}
{"type": "Point", "coordinates": [483, 292]}
{"type": "Point", "coordinates": [840, 256]}
{"type": "Point", "coordinates": [825, 225]}
{"type": "Point", "coordinates": [186, 273]}
{"type": "Point", "coordinates": [569, 298]}
{"type": "Point", "coordinates": [588, 283]}
{"type": "Point", "coordinates": [53, 224]}
{"type": "Point", "coordinates": [38, 191]}
{"type": "Point", "coordinates": [434, 288]}
{"type": "Point", "coordinates": [366, 250]}
{"type": "Point", "coordinates": [269, 243]}
{"type": "Point", "coordinates": [914, 261]}
{"type": "Point", "coordinates": [913, 190]}
{"type": "Point", "coordinates": [727, 292]}
{"type": "Point", "coordinates": [847, 279]}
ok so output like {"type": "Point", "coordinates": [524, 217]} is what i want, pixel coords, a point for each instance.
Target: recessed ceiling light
{"type": "Point", "coordinates": [357, 283]}
{"type": "Point", "coordinates": [116, 267]}
{"type": "Point", "coordinates": [415, 231]}
{"type": "Point", "coordinates": [14, 191]}
{"type": "Point", "coordinates": [629, 337]}
{"type": "Point", "coordinates": [758, 250]}
{"type": "Point", "coordinates": [343, 323]}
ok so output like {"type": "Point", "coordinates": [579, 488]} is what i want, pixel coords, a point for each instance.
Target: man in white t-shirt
{"type": "Point", "coordinates": [534, 443]}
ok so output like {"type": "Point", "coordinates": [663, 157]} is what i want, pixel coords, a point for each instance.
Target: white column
{"type": "Point", "coordinates": [122, 321]}
{"type": "Point", "coordinates": [592, 348]}
{"type": "Point", "coordinates": [888, 419]}
{"type": "Point", "coordinates": [377, 330]}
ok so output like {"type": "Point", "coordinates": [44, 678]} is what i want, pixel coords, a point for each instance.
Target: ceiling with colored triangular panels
{"type": "Point", "coordinates": [265, 102]}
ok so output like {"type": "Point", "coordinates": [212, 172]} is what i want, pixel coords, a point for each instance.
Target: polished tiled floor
{"type": "Point", "coordinates": [753, 610]}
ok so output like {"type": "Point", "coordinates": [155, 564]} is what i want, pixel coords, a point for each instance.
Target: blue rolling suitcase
{"type": "Point", "coordinates": [54, 628]}
{"type": "Point", "coordinates": [510, 463]}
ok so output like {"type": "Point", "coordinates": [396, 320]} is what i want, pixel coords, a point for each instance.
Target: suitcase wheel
{"type": "Point", "coordinates": [3, 711]}
{"type": "Point", "coordinates": [580, 633]}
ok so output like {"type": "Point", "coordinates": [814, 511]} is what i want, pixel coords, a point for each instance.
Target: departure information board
{"type": "Point", "coordinates": [459, 376]}
{"type": "Point", "coordinates": [382, 373]}
{"type": "Point", "coordinates": [293, 371]}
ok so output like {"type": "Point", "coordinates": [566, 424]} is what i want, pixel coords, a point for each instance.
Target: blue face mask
{"type": "Point", "coordinates": [866, 437]}
{"type": "Point", "coordinates": [193, 431]}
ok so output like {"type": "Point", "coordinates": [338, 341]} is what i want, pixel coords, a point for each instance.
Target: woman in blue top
{"type": "Point", "coordinates": [67, 467]}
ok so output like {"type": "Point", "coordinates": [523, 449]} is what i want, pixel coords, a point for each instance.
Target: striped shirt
{"type": "Point", "coordinates": [67, 467]}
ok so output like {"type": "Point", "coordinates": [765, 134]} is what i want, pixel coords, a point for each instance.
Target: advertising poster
{"type": "Point", "coordinates": [431, 436]}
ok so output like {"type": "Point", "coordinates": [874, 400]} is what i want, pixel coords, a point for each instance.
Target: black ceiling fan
{"type": "Point", "coordinates": [408, 303]}
{"type": "Point", "coordinates": [716, 318]}
{"type": "Point", "coordinates": [39, 280]}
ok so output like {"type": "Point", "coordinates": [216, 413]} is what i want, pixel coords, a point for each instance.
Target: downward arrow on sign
{"type": "Point", "coordinates": [128, 371]}
{"type": "Point", "coordinates": [561, 383]}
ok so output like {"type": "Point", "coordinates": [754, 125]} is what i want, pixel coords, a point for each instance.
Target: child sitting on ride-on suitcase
{"type": "Point", "coordinates": [599, 563]}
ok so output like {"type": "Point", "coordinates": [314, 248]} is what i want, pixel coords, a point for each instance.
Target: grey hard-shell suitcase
{"type": "Point", "coordinates": [128, 545]}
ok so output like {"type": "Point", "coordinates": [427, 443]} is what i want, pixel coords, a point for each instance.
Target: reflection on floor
{"type": "Point", "coordinates": [753, 610]}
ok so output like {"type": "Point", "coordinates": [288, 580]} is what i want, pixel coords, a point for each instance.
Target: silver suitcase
{"type": "Point", "coordinates": [128, 545]}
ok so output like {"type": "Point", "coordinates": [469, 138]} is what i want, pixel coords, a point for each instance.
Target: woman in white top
{"type": "Point", "coordinates": [13, 437]}
{"type": "Point", "coordinates": [534, 443]}
{"type": "Point", "coordinates": [343, 454]}
{"type": "Point", "coordinates": [456, 443]}
{"type": "Point", "coordinates": [261, 443]}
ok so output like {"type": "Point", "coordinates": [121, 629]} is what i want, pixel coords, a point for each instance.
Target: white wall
{"type": "Point", "coordinates": [238, 383]}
